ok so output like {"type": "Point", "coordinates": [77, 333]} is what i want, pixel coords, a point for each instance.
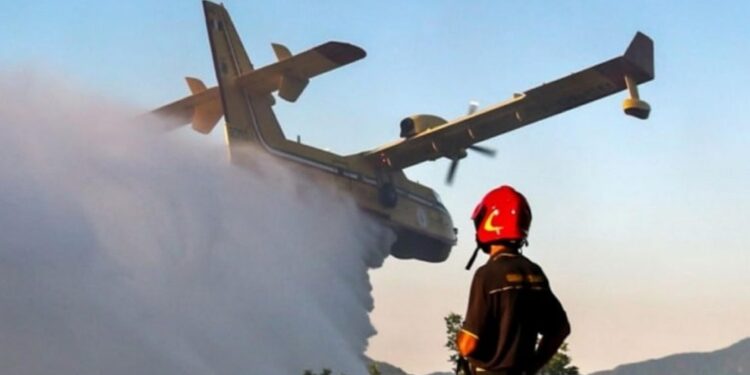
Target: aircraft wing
{"type": "Point", "coordinates": [451, 138]}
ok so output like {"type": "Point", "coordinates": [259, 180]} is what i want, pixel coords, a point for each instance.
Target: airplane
{"type": "Point", "coordinates": [375, 178]}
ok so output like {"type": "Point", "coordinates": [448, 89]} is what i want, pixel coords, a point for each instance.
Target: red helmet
{"type": "Point", "coordinates": [503, 215]}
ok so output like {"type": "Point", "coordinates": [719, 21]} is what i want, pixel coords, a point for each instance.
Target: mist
{"type": "Point", "coordinates": [125, 250]}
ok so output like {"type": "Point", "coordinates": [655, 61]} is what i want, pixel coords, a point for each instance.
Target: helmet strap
{"type": "Point", "coordinates": [472, 259]}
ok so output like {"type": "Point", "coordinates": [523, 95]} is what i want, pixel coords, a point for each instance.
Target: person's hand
{"type": "Point", "coordinates": [532, 368]}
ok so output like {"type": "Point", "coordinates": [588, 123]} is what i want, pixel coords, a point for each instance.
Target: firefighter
{"type": "Point", "coordinates": [510, 302]}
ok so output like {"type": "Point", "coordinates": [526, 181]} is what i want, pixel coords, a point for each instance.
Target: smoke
{"type": "Point", "coordinates": [125, 251]}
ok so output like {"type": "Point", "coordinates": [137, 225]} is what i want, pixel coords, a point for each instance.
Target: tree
{"type": "Point", "coordinates": [452, 326]}
{"type": "Point", "coordinates": [558, 365]}
{"type": "Point", "coordinates": [373, 369]}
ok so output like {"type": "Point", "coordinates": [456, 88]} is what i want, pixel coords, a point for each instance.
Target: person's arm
{"type": "Point", "coordinates": [548, 347]}
{"type": "Point", "coordinates": [476, 313]}
{"type": "Point", "coordinates": [554, 332]}
{"type": "Point", "coordinates": [466, 343]}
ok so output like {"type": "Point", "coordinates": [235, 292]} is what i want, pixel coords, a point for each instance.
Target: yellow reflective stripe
{"type": "Point", "coordinates": [536, 279]}
{"type": "Point", "coordinates": [514, 277]}
{"type": "Point", "coordinates": [519, 277]}
{"type": "Point", "coordinates": [470, 333]}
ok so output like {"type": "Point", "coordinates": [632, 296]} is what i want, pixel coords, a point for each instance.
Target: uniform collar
{"type": "Point", "coordinates": [504, 254]}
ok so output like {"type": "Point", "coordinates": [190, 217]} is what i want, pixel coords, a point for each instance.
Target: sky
{"type": "Point", "coordinates": [638, 224]}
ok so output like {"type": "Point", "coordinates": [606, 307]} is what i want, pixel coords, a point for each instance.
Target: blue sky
{"type": "Point", "coordinates": [640, 225]}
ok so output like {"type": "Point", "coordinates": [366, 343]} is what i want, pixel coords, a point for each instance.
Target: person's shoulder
{"type": "Point", "coordinates": [481, 270]}
{"type": "Point", "coordinates": [488, 272]}
{"type": "Point", "coordinates": [531, 263]}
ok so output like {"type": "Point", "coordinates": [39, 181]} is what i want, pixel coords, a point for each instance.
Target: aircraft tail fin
{"type": "Point", "coordinates": [243, 95]}
{"type": "Point", "coordinates": [281, 51]}
{"type": "Point", "coordinates": [248, 114]}
{"type": "Point", "coordinates": [207, 113]}
{"type": "Point", "coordinates": [195, 85]}
{"type": "Point", "coordinates": [202, 109]}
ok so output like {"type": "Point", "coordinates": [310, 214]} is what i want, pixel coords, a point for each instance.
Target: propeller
{"type": "Point", "coordinates": [486, 151]}
{"type": "Point", "coordinates": [451, 171]}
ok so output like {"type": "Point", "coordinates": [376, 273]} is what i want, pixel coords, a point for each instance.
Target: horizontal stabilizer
{"type": "Point", "coordinates": [291, 73]}
{"type": "Point", "coordinates": [289, 76]}
{"type": "Point", "coordinates": [203, 109]}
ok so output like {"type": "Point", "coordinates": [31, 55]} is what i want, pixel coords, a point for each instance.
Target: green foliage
{"type": "Point", "coordinates": [373, 369]}
{"type": "Point", "coordinates": [560, 364]}
{"type": "Point", "coordinates": [452, 326]}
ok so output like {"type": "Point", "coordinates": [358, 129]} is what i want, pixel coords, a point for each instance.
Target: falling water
{"type": "Point", "coordinates": [128, 251]}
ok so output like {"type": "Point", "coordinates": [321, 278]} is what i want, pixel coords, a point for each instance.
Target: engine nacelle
{"type": "Point", "coordinates": [416, 124]}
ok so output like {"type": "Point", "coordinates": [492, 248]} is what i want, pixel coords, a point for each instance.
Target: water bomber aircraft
{"type": "Point", "coordinates": [375, 178]}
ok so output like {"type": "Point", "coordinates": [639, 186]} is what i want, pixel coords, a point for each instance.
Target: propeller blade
{"type": "Point", "coordinates": [451, 171]}
{"type": "Point", "coordinates": [483, 150]}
